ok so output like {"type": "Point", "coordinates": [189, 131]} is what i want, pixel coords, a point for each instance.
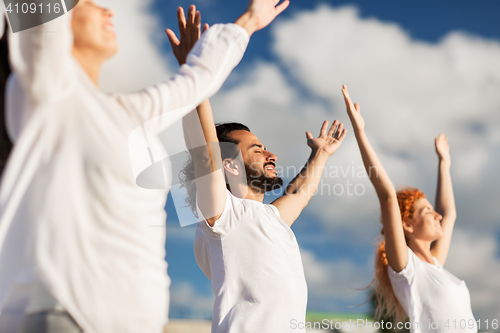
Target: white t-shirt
{"type": "Point", "coordinates": [253, 259]}
{"type": "Point", "coordinates": [72, 218]}
{"type": "Point", "coordinates": [432, 296]}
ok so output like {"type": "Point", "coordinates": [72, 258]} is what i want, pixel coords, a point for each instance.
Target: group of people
{"type": "Point", "coordinates": [77, 253]}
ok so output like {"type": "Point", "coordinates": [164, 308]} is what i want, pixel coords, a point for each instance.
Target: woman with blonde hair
{"type": "Point", "coordinates": [410, 281]}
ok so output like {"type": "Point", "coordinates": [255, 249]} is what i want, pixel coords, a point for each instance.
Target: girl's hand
{"type": "Point", "coordinates": [358, 123]}
{"type": "Point", "coordinates": [442, 148]}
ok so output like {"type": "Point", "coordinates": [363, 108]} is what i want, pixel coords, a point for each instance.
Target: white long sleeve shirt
{"type": "Point", "coordinates": [72, 217]}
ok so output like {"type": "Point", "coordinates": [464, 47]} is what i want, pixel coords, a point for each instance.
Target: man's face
{"type": "Point", "coordinates": [259, 163]}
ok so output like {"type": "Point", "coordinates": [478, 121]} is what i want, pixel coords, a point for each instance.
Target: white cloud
{"type": "Point", "coordinates": [330, 282]}
{"type": "Point", "coordinates": [139, 63]}
{"type": "Point", "coordinates": [409, 90]}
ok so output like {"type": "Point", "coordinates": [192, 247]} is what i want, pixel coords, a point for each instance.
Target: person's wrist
{"type": "Point", "coordinates": [444, 162]}
{"type": "Point", "coordinates": [359, 130]}
{"type": "Point", "coordinates": [247, 22]}
{"type": "Point", "coordinates": [319, 153]}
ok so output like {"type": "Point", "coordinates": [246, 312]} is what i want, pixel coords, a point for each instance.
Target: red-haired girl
{"type": "Point", "coordinates": [410, 280]}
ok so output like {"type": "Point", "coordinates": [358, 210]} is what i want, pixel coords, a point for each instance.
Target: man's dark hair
{"type": "Point", "coordinates": [223, 131]}
{"type": "Point", "coordinates": [230, 151]}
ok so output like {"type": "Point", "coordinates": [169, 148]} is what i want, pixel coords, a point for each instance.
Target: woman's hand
{"type": "Point", "coordinates": [260, 13]}
{"type": "Point", "coordinates": [189, 33]}
{"type": "Point", "coordinates": [358, 123]}
{"type": "Point", "coordinates": [443, 149]}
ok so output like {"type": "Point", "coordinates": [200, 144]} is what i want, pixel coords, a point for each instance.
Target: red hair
{"type": "Point", "coordinates": [387, 303]}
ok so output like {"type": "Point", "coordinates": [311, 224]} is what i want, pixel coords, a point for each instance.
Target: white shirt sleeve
{"type": "Point", "coordinates": [41, 59]}
{"type": "Point", "coordinates": [208, 65]}
{"type": "Point", "coordinates": [274, 209]}
{"type": "Point", "coordinates": [409, 271]}
{"type": "Point", "coordinates": [227, 220]}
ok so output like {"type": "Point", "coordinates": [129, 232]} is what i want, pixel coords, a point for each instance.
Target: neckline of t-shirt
{"type": "Point", "coordinates": [251, 200]}
{"type": "Point", "coordinates": [436, 263]}
{"type": "Point", "coordinates": [256, 202]}
{"type": "Point", "coordinates": [261, 203]}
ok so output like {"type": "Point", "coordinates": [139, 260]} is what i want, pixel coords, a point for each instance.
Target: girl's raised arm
{"type": "Point", "coordinates": [396, 248]}
{"type": "Point", "coordinates": [445, 200]}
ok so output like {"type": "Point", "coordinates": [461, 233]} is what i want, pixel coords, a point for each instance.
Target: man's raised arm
{"type": "Point", "coordinates": [304, 185]}
{"type": "Point", "coordinates": [203, 145]}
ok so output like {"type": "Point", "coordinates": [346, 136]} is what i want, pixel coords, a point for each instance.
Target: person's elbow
{"type": "Point", "coordinates": [386, 196]}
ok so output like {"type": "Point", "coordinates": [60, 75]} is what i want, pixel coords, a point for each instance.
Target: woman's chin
{"type": "Point", "coordinates": [439, 234]}
{"type": "Point", "coordinates": [111, 49]}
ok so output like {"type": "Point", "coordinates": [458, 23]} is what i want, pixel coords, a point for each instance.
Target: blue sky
{"type": "Point", "coordinates": [427, 19]}
{"type": "Point", "coordinates": [418, 68]}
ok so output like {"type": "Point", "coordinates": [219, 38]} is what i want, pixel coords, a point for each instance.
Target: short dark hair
{"type": "Point", "coordinates": [187, 174]}
{"type": "Point", "coordinates": [223, 135]}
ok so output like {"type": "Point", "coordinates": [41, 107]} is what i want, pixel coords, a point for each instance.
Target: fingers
{"type": "Point", "coordinates": [347, 98]}
{"type": "Point", "coordinates": [342, 135]}
{"type": "Point", "coordinates": [195, 33]}
{"type": "Point", "coordinates": [280, 8]}
{"type": "Point", "coordinates": [205, 27]}
{"type": "Point", "coordinates": [345, 92]}
{"type": "Point", "coordinates": [309, 136]}
{"type": "Point", "coordinates": [441, 137]}
{"type": "Point", "coordinates": [339, 131]}
{"type": "Point", "coordinates": [197, 19]}
{"type": "Point", "coordinates": [331, 132]}
{"type": "Point", "coordinates": [190, 36]}
{"type": "Point", "coordinates": [172, 38]}
{"type": "Point", "coordinates": [323, 129]}
{"type": "Point", "coordinates": [190, 17]}
{"type": "Point", "coordinates": [181, 20]}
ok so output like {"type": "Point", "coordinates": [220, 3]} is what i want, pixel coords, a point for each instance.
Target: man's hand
{"type": "Point", "coordinates": [327, 142]}
{"type": "Point", "coordinates": [260, 13]}
{"type": "Point", "coordinates": [443, 149]}
{"type": "Point", "coordinates": [354, 112]}
{"type": "Point", "coordinates": [189, 33]}
{"type": "Point", "coordinates": [302, 188]}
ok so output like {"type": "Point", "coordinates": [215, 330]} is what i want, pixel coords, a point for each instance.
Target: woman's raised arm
{"type": "Point", "coordinates": [41, 58]}
{"type": "Point", "coordinates": [396, 248]}
{"type": "Point", "coordinates": [445, 200]}
{"type": "Point", "coordinates": [207, 66]}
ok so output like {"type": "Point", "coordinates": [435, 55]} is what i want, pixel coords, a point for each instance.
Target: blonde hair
{"type": "Point", "coordinates": [387, 303]}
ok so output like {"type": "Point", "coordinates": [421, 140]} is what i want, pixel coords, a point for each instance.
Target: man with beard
{"type": "Point", "coordinates": [247, 248]}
